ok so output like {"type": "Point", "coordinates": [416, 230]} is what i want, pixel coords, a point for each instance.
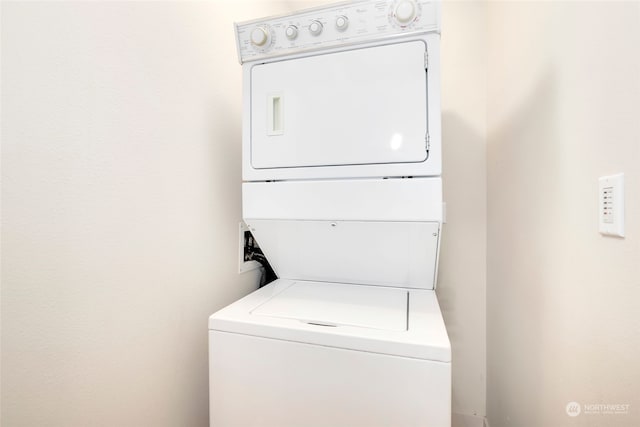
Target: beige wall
{"type": "Point", "coordinates": [120, 205]}
{"type": "Point", "coordinates": [120, 192]}
{"type": "Point", "coordinates": [562, 300]}
{"type": "Point", "coordinates": [462, 270]}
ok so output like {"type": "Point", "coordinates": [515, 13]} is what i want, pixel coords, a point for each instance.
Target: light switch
{"type": "Point", "coordinates": [611, 205]}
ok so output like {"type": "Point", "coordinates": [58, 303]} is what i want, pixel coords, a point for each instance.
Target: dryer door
{"type": "Point", "coordinates": [358, 107]}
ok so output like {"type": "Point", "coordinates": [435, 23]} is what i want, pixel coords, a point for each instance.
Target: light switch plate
{"type": "Point", "coordinates": [611, 205]}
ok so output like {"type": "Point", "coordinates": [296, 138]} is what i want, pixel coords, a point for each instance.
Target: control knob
{"type": "Point", "coordinates": [260, 36]}
{"type": "Point", "coordinates": [405, 12]}
{"type": "Point", "coordinates": [315, 28]}
{"type": "Point", "coordinates": [291, 32]}
{"type": "Point", "coordinates": [342, 23]}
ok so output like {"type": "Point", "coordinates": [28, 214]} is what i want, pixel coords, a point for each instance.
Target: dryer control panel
{"type": "Point", "coordinates": [335, 25]}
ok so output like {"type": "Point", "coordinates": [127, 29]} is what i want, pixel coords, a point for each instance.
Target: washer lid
{"type": "Point", "coordinates": [330, 304]}
{"type": "Point", "coordinates": [392, 321]}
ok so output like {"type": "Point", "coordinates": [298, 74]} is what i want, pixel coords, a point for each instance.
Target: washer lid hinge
{"type": "Point", "coordinates": [426, 142]}
{"type": "Point", "coordinates": [426, 60]}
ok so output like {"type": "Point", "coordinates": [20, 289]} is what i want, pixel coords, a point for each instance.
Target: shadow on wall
{"type": "Point", "coordinates": [523, 166]}
{"type": "Point", "coordinates": [460, 146]}
{"type": "Point", "coordinates": [462, 265]}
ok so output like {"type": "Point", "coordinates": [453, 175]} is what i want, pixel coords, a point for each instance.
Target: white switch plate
{"type": "Point", "coordinates": [611, 205]}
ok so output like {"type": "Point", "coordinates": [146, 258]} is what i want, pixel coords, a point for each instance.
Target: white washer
{"type": "Point", "coordinates": [342, 190]}
{"type": "Point", "coordinates": [298, 353]}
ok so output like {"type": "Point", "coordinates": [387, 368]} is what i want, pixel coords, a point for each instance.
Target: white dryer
{"type": "Point", "coordinates": [342, 190]}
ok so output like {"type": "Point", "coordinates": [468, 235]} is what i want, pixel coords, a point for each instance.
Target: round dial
{"type": "Point", "coordinates": [342, 23]}
{"type": "Point", "coordinates": [315, 28]}
{"type": "Point", "coordinates": [291, 32]}
{"type": "Point", "coordinates": [405, 11]}
{"type": "Point", "coordinates": [259, 36]}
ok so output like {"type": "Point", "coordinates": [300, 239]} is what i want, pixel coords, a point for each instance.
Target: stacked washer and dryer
{"type": "Point", "coordinates": [343, 192]}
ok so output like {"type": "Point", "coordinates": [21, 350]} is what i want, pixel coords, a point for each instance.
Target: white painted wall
{"type": "Point", "coordinates": [120, 204]}
{"type": "Point", "coordinates": [562, 300]}
{"type": "Point", "coordinates": [462, 270]}
{"type": "Point", "coordinates": [121, 197]}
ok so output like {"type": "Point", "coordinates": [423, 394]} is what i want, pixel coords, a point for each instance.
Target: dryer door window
{"type": "Point", "coordinates": [364, 106]}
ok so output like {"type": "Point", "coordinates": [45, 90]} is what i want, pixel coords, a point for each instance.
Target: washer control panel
{"type": "Point", "coordinates": [330, 26]}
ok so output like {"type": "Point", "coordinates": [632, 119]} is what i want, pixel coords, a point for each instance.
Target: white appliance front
{"type": "Point", "coordinates": [383, 232]}
{"type": "Point", "coordinates": [319, 354]}
{"type": "Point", "coordinates": [364, 106]}
{"type": "Point", "coordinates": [371, 111]}
{"type": "Point", "coordinates": [382, 253]}
{"type": "Point", "coordinates": [262, 382]}
{"type": "Point", "coordinates": [342, 190]}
